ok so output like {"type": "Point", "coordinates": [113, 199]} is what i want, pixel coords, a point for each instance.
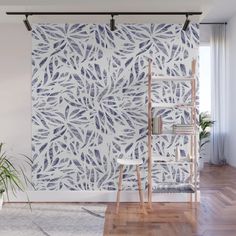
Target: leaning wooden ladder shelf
{"type": "Point", "coordinates": [192, 133]}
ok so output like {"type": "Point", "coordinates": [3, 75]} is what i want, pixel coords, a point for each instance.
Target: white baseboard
{"type": "Point", "coordinates": [97, 196]}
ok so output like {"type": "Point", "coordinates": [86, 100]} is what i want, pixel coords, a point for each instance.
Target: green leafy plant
{"type": "Point", "coordinates": [12, 176]}
{"type": "Point", "coordinates": [205, 124]}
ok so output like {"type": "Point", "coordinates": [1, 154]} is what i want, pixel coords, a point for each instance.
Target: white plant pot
{"type": "Point", "coordinates": [1, 201]}
{"type": "Point", "coordinates": [201, 164]}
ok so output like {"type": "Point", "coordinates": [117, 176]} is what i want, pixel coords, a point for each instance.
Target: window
{"type": "Point", "coordinates": [205, 78]}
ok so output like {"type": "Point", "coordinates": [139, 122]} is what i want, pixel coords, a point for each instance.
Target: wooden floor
{"type": "Point", "coordinates": [214, 216]}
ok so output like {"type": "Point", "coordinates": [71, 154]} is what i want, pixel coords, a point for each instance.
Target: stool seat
{"type": "Point", "coordinates": [129, 161]}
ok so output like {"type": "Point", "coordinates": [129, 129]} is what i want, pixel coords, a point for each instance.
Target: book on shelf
{"type": "Point", "coordinates": [157, 125]}
{"type": "Point", "coordinates": [177, 154]}
{"type": "Point", "coordinates": [183, 129]}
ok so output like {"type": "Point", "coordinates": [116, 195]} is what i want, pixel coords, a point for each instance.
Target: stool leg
{"type": "Point", "coordinates": [119, 189]}
{"type": "Point", "coordinates": [140, 188]}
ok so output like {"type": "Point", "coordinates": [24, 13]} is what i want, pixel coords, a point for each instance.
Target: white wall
{"type": "Point", "coordinates": [15, 87]}
{"type": "Point", "coordinates": [231, 71]}
{"type": "Point", "coordinates": [205, 34]}
{"type": "Point", "coordinates": [205, 37]}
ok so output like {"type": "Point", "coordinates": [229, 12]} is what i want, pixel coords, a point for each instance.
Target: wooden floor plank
{"type": "Point", "coordinates": [215, 215]}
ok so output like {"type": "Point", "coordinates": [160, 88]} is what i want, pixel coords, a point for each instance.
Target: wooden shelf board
{"type": "Point", "coordinates": [173, 190]}
{"type": "Point", "coordinates": [174, 134]}
{"type": "Point", "coordinates": [173, 78]}
{"type": "Point", "coordinates": [166, 160]}
{"type": "Point", "coordinates": [171, 105]}
{"type": "Point", "coordinates": [173, 162]}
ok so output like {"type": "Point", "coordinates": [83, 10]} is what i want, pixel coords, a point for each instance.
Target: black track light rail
{"type": "Point", "coordinates": [112, 14]}
{"type": "Point", "coordinates": [213, 23]}
{"type": "Point", "coordinates": [191, 13]}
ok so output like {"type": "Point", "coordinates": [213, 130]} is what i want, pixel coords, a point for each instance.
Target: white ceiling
{"type": "Point", "coordinates": [213, 10]}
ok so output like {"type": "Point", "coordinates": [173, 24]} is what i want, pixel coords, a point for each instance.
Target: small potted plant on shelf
{"type": "Point", "coordinates": [205, 124]}
{"type": "Point", "coordinates": [12, 176]}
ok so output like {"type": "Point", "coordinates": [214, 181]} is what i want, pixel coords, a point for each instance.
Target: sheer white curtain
{"type": "Point", "coordinates": [219, 94]}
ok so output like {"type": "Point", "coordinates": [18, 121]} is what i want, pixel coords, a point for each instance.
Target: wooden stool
{"type": "Point", "coordinates": [122, 163]}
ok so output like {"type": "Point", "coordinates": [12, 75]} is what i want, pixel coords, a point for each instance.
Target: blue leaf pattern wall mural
{"type": "Point", "coordinates": [89, 93]}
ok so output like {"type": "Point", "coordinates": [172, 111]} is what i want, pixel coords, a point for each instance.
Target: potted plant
{"type": "Point", "coordinates": [11, 175]}
{"type": "Point", "coordinates": [1, 198]}
{"type": "Point", "coordinates": [205, 124]}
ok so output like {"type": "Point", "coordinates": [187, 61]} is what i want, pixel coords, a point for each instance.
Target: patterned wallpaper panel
{"type": "Point", "coordinates": [89, 93]}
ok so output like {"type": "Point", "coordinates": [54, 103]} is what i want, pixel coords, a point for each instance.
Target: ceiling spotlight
{"type": "Point", "coordinates": [186, 23]}
{"type": "Point", "coordinates": [27, 24]}
{"type": "Point", "coordinates": [112, 24]}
